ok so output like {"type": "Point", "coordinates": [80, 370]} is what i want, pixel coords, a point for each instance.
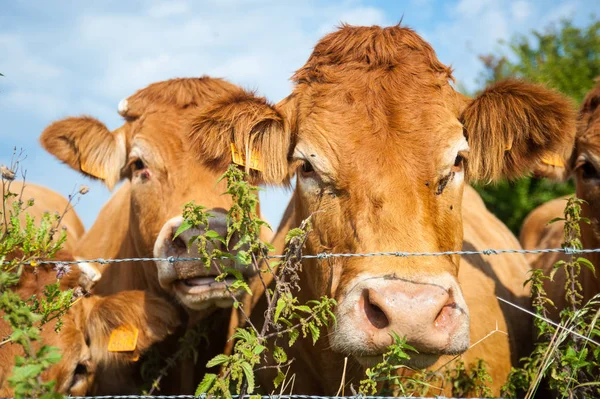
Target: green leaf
{"type": "Point", "coordinates": [184, 226]}
{"type": "Point", "coordinates": [279, 379]}
{"type": "Point", "coordinates": [217, 360]}
{"type": "Point", "coordinates": [314, 332]}
{"type": "Point", "coordinates": [278, 309]}
{"type": "Point", "coordinates": [303, 308]}
{"type": "Point", "coordinates": [249, 374]}
{"type": "Point", "coordinates": [293, 334]}
{"type": "Point", "coordinates": [206, 383]}
{"type": "Point", "coordinates": [279, 355]}
{"type": "Point", "coordinates": [258, 349]}
{"type": "Point", "coordinates": [588, 264]}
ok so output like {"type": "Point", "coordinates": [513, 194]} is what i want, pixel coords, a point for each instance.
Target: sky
{"type": "Point", "coordinates": [66, 58]}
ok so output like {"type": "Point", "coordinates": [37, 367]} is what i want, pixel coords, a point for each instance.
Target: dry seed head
{"type": "Point", "coordinates": [7, 174]}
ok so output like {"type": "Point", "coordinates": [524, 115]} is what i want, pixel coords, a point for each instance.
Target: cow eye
{"type": "Point", "coordinates": [307, 169]}
{"type": "Point", "coordinates": [588, 171]}
{"type": "Point", "coordinates": [458, 163]}
{"type": "Point", "coordinates": [138, 164]}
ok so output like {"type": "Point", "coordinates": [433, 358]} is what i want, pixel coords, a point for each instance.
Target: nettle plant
{"type": "Point", "coordinates": [23, 245]}
{"type": "Point", "coordinates": [286, 318]}
{"type": "Point", "coordinates": [569, 363]}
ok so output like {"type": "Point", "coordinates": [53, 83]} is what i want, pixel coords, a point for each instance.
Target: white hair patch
{"type": "Point", "coordinates": [123, 107]}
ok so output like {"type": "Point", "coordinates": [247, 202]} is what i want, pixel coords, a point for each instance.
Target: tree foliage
{"type": "Point", "coordinates": [564, 57]}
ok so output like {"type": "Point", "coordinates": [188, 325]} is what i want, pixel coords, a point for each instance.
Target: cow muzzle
{"type": "Point", "coordinates": [192, 281]}
{"type": "Point", "coordinates": [430, 313]}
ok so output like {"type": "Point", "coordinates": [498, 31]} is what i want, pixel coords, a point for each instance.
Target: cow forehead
{"type": "Point", "coordinates": [379, 132]}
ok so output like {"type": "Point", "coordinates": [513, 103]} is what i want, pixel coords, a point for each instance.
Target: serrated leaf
{"type": "Point", "coordinates": [186, 225]}
{"type": "Point", "coordinates": [293, 334]}
{"type": "Point", "coordinates": [249, 374]}
{"type": "Point", "coordinates": [217, 360]}
{"type": "Point", "coordinates": [258, 349]}
{"type": "Point", "coordinates": [314, 332]}
{"type": "Point", "coordinates": [206, 383]}
{"type": "Point", "coordinates": [237, 284]}
{"type": "Point", "coordinates": [278, 309]}
{"type": "Point", "coordinates": [243, 258]}
{"type": "Point", "coordinates": [279, 355]}
{"type": "Point", "coordinates": [279, 379]}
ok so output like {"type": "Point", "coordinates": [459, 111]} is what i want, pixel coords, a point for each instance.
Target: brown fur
{"type": "Point", "coordinates": [86, 145]}
{"type": "Point", "coordinates": [547, 116]}
{"type": "Point", "coordinates": [233, 117]}
{"type": "Point", "coordinates": [373, 112]}
{"type": "Point", "coordinates": [86, 367]}
{"type": "Point", "coordinates": [536, 233]}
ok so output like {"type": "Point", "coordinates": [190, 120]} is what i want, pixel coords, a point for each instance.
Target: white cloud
{"type": "Point", "coordinates": [521, 10]}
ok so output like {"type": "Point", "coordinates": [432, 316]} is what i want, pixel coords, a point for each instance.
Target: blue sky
{"type": "Point", "coordinates": [64, 58]}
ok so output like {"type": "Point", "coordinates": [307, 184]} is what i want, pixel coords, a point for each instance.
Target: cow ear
{"type": "Point", "coordinates": [86, 145]}
{"type": "Point", "coordinates": [149, 317]}
{"type": "Point", "coordinates": [513, 126]}
{"type": "Point", "coordinates": [247, 124]}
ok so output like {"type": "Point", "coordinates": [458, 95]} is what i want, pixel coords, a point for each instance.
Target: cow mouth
{"type": "Point", "coordinates": [203, 284]}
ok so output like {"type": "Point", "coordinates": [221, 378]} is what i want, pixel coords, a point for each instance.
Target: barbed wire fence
{"type": "Point", "coordinates": [327, 255]}
{"type": "Point", "coordinates": [322, 256]}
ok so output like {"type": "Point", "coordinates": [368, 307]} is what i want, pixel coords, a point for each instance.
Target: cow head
{"type": "Point", "coordinates": [86, 366]}
{"type": "Point", "coordinates": [150, 150]}
{"type": "Point", "coordinates": [382, 146]}
{"type": "Point", "coordinates": [585, 161]}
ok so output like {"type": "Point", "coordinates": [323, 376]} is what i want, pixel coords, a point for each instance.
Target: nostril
{"type": "Point", "coordinates": [179, 243]}
{"type": "Point", "coordinates": [374, 313]}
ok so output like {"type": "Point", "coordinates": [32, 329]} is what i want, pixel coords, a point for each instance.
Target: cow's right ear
{"type": "Point", "coordinates": [247, 124]}
{"type": "Point", "coordinates": [86, 145]}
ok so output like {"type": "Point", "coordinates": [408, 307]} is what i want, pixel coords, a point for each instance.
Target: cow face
{"type": "Point", "coordinates": [382, 146]}
{"type": "Point", "coordinates": [585, 162]}
{"type": "Point", "coordinates": [150, 150]}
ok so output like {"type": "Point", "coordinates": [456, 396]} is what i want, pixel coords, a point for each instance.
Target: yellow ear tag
{"type": "Point", "coordinates": [123, 339]}
{"type": "Point", "coordinates": [553, 159]}
{"type": "Point", "coordinates": [239, 159]}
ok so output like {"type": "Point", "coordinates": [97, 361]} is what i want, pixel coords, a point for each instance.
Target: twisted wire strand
{"type": "Point", "coordinates": [327, 255]}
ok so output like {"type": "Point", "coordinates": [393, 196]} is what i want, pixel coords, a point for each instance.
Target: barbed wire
{"type": "Point", "coordinates": [327, 255]}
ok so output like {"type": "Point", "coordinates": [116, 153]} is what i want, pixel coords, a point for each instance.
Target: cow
{"type": "Point", "coordinates": [46, 201]}
{"type": "Point", "coordinates": [86, 367]}
{"type": "Point", "coordinates": [536, 233]}
{"type": "Point", "coordinates": [382, 146]}
{"type": "Point", "coordinates": [151, 154]}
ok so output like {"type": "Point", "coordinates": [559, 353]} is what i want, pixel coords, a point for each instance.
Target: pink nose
{"type": "Point", "coordinates": [432, 318]}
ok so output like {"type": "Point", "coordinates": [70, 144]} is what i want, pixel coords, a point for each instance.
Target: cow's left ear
{"type": "Point", "coordinates": [514, 128]}
{"type": "Point", "coordinates": [146, 318]}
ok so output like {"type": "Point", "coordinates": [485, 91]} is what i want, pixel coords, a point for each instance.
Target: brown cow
{"type": "Point", "coordinates": [383, 145]}
{"type": "Point", "coordinates": [584, 165]}
{"type": "Point", "coordinates": [151, 153]}
{"type": "Point", "coordinates": [86, 367]}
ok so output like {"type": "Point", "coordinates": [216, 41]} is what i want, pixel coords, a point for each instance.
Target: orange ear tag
{"type": "Point", "coordinates": [553, 159]}
{"type": "Point", "coordinates": [123, 339]}
{"type": "Point", "coordinates": [239, 159]}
